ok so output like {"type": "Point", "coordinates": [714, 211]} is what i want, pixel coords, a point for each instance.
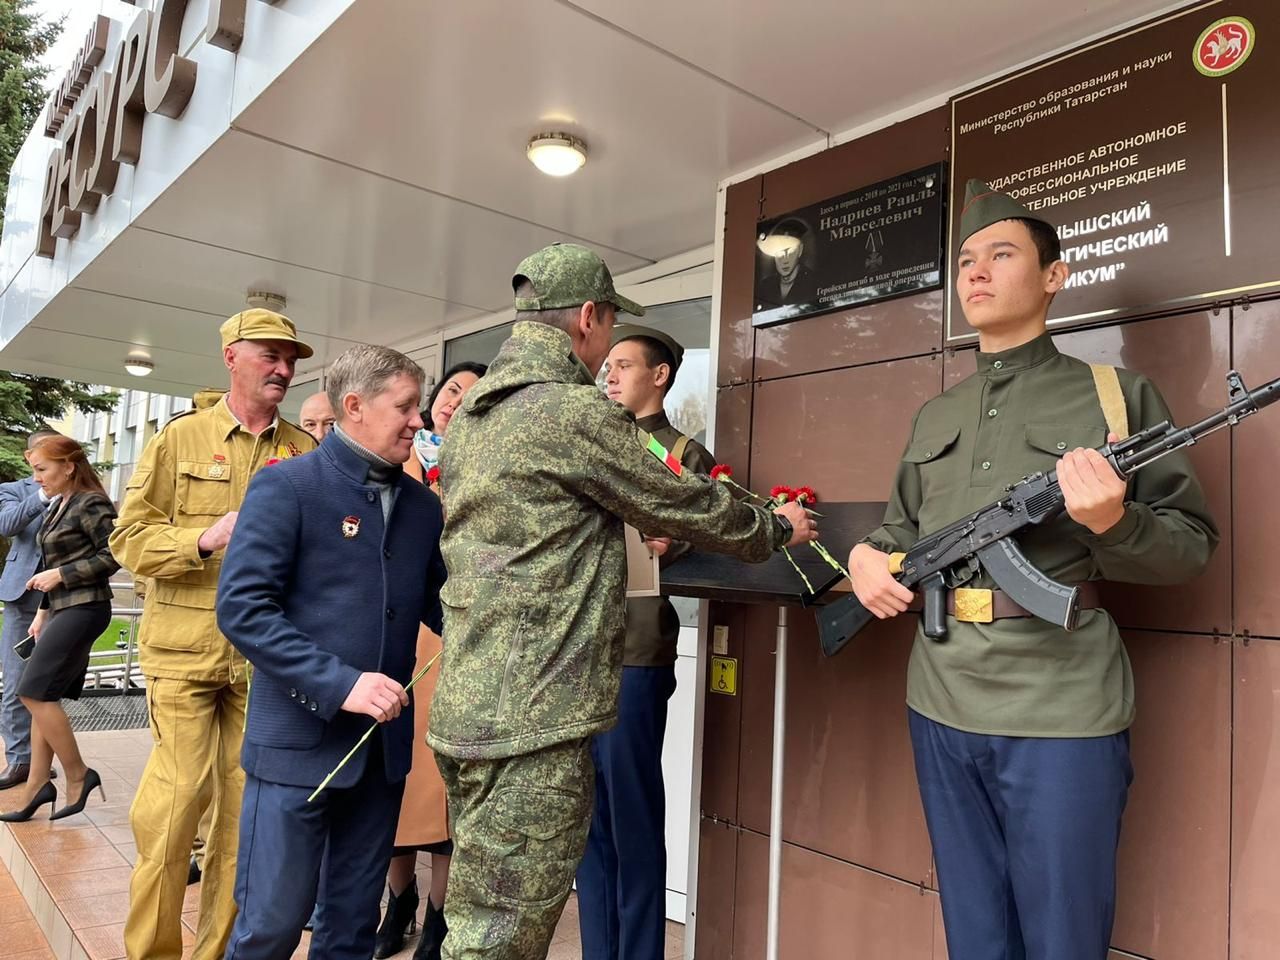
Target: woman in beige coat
{"type": "Point", "coordinates": [424, 817]}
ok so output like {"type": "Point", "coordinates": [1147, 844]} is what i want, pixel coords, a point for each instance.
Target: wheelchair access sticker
{"type": "Point", "coordinates": [724, 675]}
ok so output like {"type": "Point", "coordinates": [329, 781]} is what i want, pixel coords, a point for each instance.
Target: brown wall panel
{"type": "Point", "coordinates": [830, 910]}
{"type": "Point", "coordinates": [737, 337]}
{"type": "Point", "coordinates": [939, 931]}
{"type": "Point", "coordinates": [755, 686]}
{"type": "Point", "coordinates": [733, 430]}
{"type": "Point", "coordinates": [1257, 477]}
{"type": "Point", "coordinates": [842, 432]}
{"type": "Point", "coordinates": [722, 720]}
{"type": "Point", "coordinates": [896, 149]}
{"type": "Point", "coordinates": [1255, 802]}
{"type": "Point", "coordinates": [850, 786]}
{"type": "Point", "coordinates": [1187, 357]}
{"type": "Point", "coordinates": [717, 868]}
{"type": "Point", "coordinates": [1176, 837]}
{"type": "Point", "coordinates": [904, 327]}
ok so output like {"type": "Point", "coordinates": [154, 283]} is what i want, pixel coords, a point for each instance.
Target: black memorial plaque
{"type": "Point", "coordinates": [870, 244]}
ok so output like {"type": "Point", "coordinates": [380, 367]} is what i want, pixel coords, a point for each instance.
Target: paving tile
{"type": "Point", "coordinates": [103, 943]}
{"type": "Point", "coordinates": [77, 861]}
{"type": "Point", "coordinates": [95, 911]}
{"type": "Point", "coordinates": [70, 886]}
{"type": "Point", "coordinates": [21, 936]}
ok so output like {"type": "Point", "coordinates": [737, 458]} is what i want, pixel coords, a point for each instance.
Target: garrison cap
{"type": "Point", "coordinates": [258, 324]}
{"type": "Point", "coordinates": [568, 275]}
{"type": "Point", "coordinates": [633, 331]}
{"type": "Point", "coordinates": [984, 206]}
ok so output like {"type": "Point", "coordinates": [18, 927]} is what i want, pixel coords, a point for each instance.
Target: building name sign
{"type": "Point", "coordinates": [97, 111]}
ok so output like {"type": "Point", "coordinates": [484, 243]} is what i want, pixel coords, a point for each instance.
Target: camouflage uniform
{"type": "Point", "coordinates": [539, 474]}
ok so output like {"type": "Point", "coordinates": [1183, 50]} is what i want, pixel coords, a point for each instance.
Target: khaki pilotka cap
{"type": "Point", "coordinates": [259, 324]}
{"type": "Point", "coordinates": [568, 275]}
{"type": "Point", "coordinates": [633, 331]}
{"type": "Point", "coordinates": [984, 206]}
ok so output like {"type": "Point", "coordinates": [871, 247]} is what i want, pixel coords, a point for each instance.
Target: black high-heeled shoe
{"type": "Point", "coordinates": [91, 780]}
{"type": "Point", "coordinates": [46, 794]}
{"type": "Point", "coordinates": [400, 918]}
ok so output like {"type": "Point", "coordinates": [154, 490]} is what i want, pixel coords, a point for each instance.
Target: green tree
{"type": "Point", "coordinates": [23, 41]}
{"type": "Point", "coordinates": [28, 403]}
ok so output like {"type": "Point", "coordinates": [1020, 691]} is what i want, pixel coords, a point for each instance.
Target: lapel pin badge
{"type": "Point", "coordinates": [350, 527]}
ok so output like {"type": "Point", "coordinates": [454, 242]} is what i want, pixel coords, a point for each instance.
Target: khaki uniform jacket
{"type": "Point", "coordinates": [192, 472]}
{"type": "Point", "coordinates": [1023, 409]}
{"type": "Point", "coordinates": [653, 626]}
{"type": "Point", "coordinates": [539, 474]}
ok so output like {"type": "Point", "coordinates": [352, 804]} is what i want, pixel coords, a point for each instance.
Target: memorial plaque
{"type": "Point", "coordinates": [1154, 153]}
{"type": "Point", "coordinates": [870, 244]}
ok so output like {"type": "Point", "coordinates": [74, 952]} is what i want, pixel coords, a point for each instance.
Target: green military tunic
{"type": "Point", "coordinates": [1018, 414]}
{"type": "Point", "coordinates": [653, 626]}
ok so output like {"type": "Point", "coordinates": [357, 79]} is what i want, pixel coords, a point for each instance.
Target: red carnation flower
{"type": "Point", "coordinates": [272, 461]}
{"type": "Point", "coordinates": [806, 495]}
{"type": "Point", "coordinates": [433, 475]}
{"type": "Point", "coordinates": [781, 494]}
{"type": "Point", "coordinates": [721, 470]}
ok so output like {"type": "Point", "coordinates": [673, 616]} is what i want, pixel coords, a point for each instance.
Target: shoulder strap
{"type": "Point", "coordinates": [1110, 397]}
{"type": "Point", "coordinates": [678, 450]}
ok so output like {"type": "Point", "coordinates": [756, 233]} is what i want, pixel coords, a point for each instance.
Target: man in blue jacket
{"type": "Point", "coordinates": [334, 562]}
{"type": "Point", "coordinates": [22, 506]}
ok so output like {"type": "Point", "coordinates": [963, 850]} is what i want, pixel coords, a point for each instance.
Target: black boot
{"type": "Point", "coordinates": [399, 919]}
{"type": "Point", "coordinates": [433, 932]}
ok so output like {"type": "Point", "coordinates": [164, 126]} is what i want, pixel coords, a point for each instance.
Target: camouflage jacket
{"type": "Point", "coordinates": [539, 472]}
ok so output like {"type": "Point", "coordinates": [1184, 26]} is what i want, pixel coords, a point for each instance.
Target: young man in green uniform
{"type": "Point", "coordinates": [540, 472]}
{"type": "Point", "coordinates": [622, 881]}
{"type": "Point", "coordinates": [1020, 729]}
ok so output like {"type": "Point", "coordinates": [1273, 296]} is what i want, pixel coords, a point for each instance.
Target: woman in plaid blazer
{"type": "Point", "coordinates": [76, 567]}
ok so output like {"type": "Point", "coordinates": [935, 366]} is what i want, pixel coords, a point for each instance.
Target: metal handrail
{"type": "Point", "coordinates": [123, 676]}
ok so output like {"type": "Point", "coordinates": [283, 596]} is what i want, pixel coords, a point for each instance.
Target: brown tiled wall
{"type": "Point", "coordinates": [830, 400]}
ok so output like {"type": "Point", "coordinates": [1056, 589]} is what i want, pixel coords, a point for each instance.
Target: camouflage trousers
{"type": "Point", "coordinates": [519, 828]}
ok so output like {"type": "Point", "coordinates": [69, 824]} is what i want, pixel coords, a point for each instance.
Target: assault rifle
{"type": "Point", "coordinates": [986, 540]}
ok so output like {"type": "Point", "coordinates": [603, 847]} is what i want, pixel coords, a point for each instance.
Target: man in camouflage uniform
{"type": "Point", "coordinates": [539, 473]}
{"type": "Point", "coordinates": [622, 880]}
{"type": "Point", "coordinates": [1019, 728]}
{"type": "Point", "coordinates": [179, 510]}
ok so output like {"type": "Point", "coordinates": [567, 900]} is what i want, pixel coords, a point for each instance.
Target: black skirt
{"type": "Point", "coordinates": [56, 668]}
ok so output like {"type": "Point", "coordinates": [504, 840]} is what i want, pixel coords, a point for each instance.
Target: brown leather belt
{"type": "Point", "coordinates": [982, 606]}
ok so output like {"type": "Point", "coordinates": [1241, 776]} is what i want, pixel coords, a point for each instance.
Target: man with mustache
{"type": "Point", "coordinates": [176, 520]}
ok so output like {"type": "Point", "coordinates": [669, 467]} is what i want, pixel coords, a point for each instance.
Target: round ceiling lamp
{"type": "Point", "coordinates": [138, 364]}
{"type": "Point", "coordinates": [557, 154]}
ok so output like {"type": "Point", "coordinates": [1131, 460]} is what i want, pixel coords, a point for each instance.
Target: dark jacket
{"type": "Point", "coordinates": [316, 590]}
{"type": "Point", "coordinates": [73, 539]}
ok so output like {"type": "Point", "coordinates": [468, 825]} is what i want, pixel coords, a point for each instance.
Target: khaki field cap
{"type": "Point", "coordinates": [568, 275]}
{"type": "Point", "coordinates": [260, 324]}
{"type": "Point", "coordinates": [984, 206]}
{"type": "Point", "coordinates": [632, 331]}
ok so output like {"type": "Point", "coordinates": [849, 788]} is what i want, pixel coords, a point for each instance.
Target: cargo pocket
{"type": "Point", "coordinates": [1052, 440]}
{"type": "Point", "coordinates": [204, 489]}
{"type": "Point", "coordinates": [535, 841]}
{"type": "Point", "coordinates": [930, 455]}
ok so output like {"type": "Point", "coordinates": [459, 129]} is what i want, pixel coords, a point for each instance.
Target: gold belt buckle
{"type": "Point", "coordinates": [974, 605]}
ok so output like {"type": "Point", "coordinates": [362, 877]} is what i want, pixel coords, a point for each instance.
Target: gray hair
{"type": "Point", "coordinates": [562, 319]}
{"type": "Point", "coordinates": [366, 370]}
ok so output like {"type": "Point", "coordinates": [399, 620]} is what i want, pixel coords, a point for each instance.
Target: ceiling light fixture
{"type": "Point", "coordinates": [138, 364]}
{"type": "Point", "coordinates": [557, 154]}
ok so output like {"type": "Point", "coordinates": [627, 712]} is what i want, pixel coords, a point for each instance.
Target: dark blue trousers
{"type": "Point", "coordinates": [283, 843]}
{"type": "Point", "coordinates": [622, 881]}
{"type": "Point", "coordinates": [1024, 832]}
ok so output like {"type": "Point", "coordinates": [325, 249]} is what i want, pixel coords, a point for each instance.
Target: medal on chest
{"type": "Point", "coordinates": [219, 468]}
{"type": "Point", "coordinates": [350, 527]}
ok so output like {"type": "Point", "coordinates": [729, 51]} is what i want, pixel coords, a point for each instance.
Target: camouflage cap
{"type": "Point", "coordinates": [568, 275]}
{"type": "Point", "coordinates": [633, 331]}
{"type": "Point", "coordinates": [984, 206]}
{"type": "Point", "coordinates": [258, 324]}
